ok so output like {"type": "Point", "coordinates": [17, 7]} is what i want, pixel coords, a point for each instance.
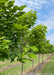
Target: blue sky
{"type": "Point", "coordinates": [45, 14]}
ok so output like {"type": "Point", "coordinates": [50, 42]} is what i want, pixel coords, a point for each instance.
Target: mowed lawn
{"type": "Point", "coordinates": [49, 68]}
{"type": "Point", "coordinates": [17, 69]}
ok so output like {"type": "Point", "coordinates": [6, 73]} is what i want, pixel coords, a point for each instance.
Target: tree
{"type": "Point", "coordinates": [37, 37]}
{"type": "Point", "coordinates": [14, 24]}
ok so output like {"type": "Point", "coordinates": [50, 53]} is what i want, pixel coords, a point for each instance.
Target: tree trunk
{"type": "Point", "coordinates": [39, 61]}
{"type": "Point", "coordinates": [22, 69]}
{"type": "Point", "coordinates": [47, 54]}
{"type": "Point", "coordinates": [42, 58]}
{"type": "Point", "coordinates": [32, 64]}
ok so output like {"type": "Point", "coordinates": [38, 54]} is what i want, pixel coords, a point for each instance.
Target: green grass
{"type": "Point", "coordinates": [49, 68]}
{"type": "Point", "coordinates": [16, 70]}
{"type": "Point", "coordinates": [7, 63]}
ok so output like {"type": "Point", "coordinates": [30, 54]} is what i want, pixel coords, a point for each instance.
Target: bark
{"type": "Point", "coordinates": [42, 58]}
{"type": "Point", "coordinates": [32, 64]}
{"type": "Point", "coordinates": [22, 69]}
{"type": "Point", "coordinates": [39, 61]}
{"type": "Point", "coordinates": [47, 54]}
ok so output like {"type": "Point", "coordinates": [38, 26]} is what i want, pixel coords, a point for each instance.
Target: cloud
{"type": "Point", "coordinates": [52, 0]}
{"type": "Point", "coordinates": [45, 17]}
{"type": "Point", "coordinates": [49, 22]}
{"type": "Point", "coordinates": [51, 38]}
{"type": "Point", "coordinates": [50, 25]}
{"type": "Point", "coordinates": [27, 9]}
{"type": "Point", "coordinates": [32, 4]}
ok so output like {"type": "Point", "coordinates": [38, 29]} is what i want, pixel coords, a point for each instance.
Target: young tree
{"type": "Point", "coordinates": [14, 24]}
{"type": "Point", "coordinates": [37, 36]}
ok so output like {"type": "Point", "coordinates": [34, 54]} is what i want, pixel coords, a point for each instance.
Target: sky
{"type": "Point", "coordinates": [45, 14]}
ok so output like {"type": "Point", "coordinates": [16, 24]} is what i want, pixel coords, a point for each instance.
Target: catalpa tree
{"type": "Point", "coordinates": [14, 24]}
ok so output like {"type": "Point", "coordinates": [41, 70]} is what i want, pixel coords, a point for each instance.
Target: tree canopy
{"type": "Point", "coordinates": [14, 24]}
{"type": "Point", "coordinates": [18, 37]}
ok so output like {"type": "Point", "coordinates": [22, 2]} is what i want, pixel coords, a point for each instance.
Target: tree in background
{"type": "Point", "coordinates": [37, 37]}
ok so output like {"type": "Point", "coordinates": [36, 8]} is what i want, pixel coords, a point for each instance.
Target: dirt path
{"type": "Point", "coordinates": [9, 66]}
{"type": "Point", "coordinates": [38, 70]}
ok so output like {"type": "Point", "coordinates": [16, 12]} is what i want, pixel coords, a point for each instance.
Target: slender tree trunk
{"type": "Point", "coordinates": [42, 58]}
{"type": "Point", "coordinates": [32, 64]}
{"type": "Point", "coordinates": [22, 69]}
{"type": "Point", "coordinates": [47, 57]}
{"type": "Point", "coordinates": [39, 61]}
{"type": "Point", "coordinates": [47, 54]}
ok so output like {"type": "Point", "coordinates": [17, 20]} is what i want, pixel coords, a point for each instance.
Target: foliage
{"type": "Point", "coordinates": [14, 24]}
{"type": "Point", "coordinates": [4, 48]}
{"type": "Point", "coordinates": [37, 36]}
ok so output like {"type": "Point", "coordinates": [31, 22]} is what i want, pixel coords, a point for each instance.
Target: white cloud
{"type": "Point", "coordinates": [52, 0]}
{"type": "Point", "coordinates": [27, 9]}
{"type": "Point", "coordinates": [45, 17]}
{"type": "Point", "coordinates": [30, 2]}
{"type": "Point", "coordinates": [51, 38]}
{"type": "Point", "coordinates": [35, 4]}
{"type": "Point", "coordinates": [49, 22]}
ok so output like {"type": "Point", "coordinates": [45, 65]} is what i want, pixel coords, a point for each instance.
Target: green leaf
{"type": "Point", "coordinates": [11, 3]}
{"type": "Point", "coordinates": [19, 26]}
{"type": "Point", "coordinates": [2, 37]}
{"type": "Point", "coordinates": [32, 55]}
{"type": "Point", "coordinates": [34, 48]}
{"type": "Point", "coordinates": [22, 7]}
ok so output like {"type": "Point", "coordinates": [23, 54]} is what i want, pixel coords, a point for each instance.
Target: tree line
{"type": "Point", "coordinates": [19, 36]}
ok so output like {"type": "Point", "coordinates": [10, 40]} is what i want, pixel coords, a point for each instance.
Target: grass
{"type": "Point", "coordinates": [49, 68]}
{"type": "Point", "coordinates": [3, 64]}
{"type": "Point", "coordinates": [17, 69]}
